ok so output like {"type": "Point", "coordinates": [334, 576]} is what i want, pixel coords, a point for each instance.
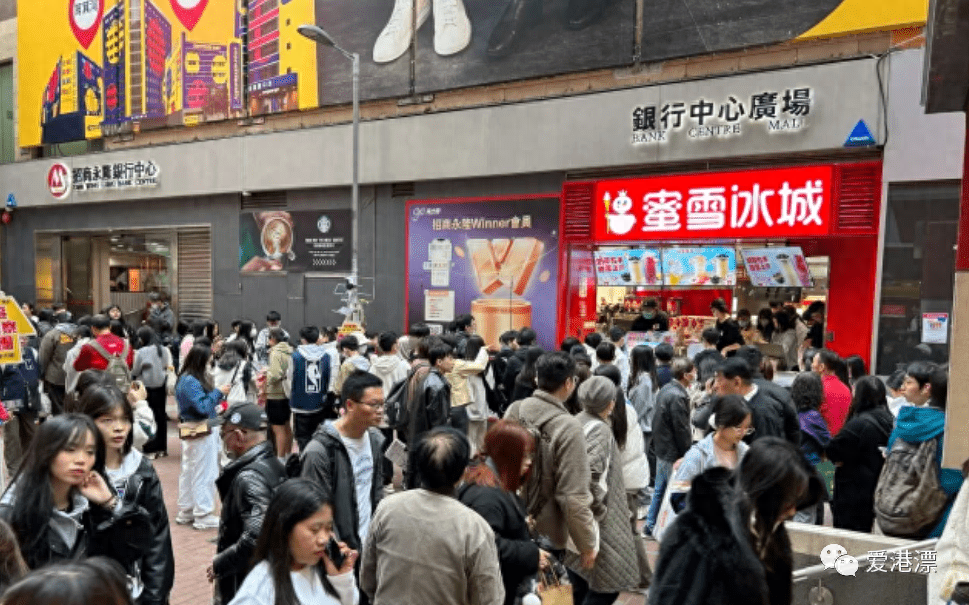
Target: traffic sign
{"type": "Point", "coordinates": [13, 324]}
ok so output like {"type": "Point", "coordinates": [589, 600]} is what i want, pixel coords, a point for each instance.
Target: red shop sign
{"type": "Point", "coordinates": [786, 202]}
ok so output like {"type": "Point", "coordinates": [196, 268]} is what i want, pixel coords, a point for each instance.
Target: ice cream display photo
{"type": "Point", "coordinates": [493, 259]}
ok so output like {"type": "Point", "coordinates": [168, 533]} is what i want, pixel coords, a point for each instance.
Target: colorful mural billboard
{"type": "Point", "coordinates": [93, 68]}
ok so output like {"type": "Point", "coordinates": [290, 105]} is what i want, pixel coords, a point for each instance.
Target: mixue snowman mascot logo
{"type": "Point", "coordinates": [620, 221]}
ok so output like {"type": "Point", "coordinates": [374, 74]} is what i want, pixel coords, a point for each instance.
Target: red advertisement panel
{"type": "Point", "coordinates": [754, 203]}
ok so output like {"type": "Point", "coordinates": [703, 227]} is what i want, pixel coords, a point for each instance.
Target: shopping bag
{"type": "Point", "coordinates": [674, 500]}
{"type": "Point", "coordinates": [552, 591]}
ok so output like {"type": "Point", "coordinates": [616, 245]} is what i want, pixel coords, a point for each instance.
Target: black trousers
{"type": "Point", "coordinates": [56, 393]}
{"type": "Point", "coordinates": [581, 595]}
{"type": "Point", "coordinates": [304, 425]}
{"type": "Point", "coordinates": [157, 398]}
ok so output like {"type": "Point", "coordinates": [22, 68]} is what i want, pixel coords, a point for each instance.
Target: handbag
{"type": "Point", "coordinates": [126, 534]}
{"type": "Point", "coordinates": [171, 379]}
{"type": "Point", "coordinates": [551, 590]}
{"type": "Point", "coordinates": [194, 430]}
{"type": "Point", "coordinates": [672, 501]}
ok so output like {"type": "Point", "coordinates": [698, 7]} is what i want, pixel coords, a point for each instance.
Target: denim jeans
{"type": "Point", "coordinates": [664, 468]}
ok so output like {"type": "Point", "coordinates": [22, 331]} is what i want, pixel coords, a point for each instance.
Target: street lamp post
{"type": "Point", "coordinates": [319, 36]}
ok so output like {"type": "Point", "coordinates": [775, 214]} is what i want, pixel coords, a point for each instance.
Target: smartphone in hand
{"type": "Point", "coordinates": [333, 553]}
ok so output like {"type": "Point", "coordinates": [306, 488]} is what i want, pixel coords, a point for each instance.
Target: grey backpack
{"type": "Point", "coordinates": [117, 365]}
{"type": "Point", "coordinates": [909, 500]}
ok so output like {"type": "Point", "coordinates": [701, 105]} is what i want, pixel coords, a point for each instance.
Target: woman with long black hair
{"type": "Point", "coordinates": [151, 365]}
{"type": "Point", "coordinates": [525, 383]}
{"type": "Point", "coordinates": [136, 483]}
{"type": "Point", "coordinates": [198, 401]}
{"type": "Point", "coordinates": [57, 505]}
{"type": "Point", "coordinates": [293, 565]}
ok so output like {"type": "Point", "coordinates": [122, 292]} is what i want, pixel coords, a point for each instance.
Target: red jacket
{"type": "Point", "coordinates": [837, 401]}
{"type": "Point", "coordinates": [89, 358]}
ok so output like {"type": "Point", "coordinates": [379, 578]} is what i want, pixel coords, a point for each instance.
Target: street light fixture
{"type": "Point", "coordinates": [316, 34]}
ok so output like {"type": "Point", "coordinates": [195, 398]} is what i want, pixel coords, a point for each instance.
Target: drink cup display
{"type": "Point", "coordinates": [495, 316]}
{"type": "Point", "coordinates": [788, 270]}
{"type": "Point", "coordinates": [651, 274]}
{"type": "Point", "coordinates": [699, 266]}
{"type": "Point", "coordinates": [277, 238]}
{"type": "Point", "coordinates": [722, 266]}
{"type": "Point", "coordinates": [635, 268]}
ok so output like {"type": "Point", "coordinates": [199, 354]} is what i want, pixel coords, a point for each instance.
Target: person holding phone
{"type": "Point", "coordinates": [298, 560]}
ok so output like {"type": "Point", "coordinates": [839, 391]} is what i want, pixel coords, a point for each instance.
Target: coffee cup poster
{"type": "Point", "coordinates": [95, 68]}
{"type": "Point", "coordinates": [494, 259]}
{"type": "Point", "coordinates": [306, 241]}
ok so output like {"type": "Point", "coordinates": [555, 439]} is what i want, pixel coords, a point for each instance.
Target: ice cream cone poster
{"type": "Point", "coordinates": [716, 266]}
{"type": "Point", "coordinates": [777, 267]}
{"type": "Point", "coordinates": [494, 259]}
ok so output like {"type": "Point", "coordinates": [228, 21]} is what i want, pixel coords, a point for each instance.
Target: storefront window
{"type": "Point", "coordinates": [917, 276]}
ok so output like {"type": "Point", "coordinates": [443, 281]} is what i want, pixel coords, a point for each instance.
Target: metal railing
{"type": "Point", "coordinates": [816, 571]}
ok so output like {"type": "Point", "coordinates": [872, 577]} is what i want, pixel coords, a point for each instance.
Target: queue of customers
{"type": "Point", "coordinates": [517, 463]}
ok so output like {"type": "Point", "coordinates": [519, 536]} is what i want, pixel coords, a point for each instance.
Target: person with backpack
{"type": "Point", "coordinates": [856, 453]}
{"type": "Point", "coordinates": [107, 352]}
{"type": "Point", "coordinates": [20, 396]}
{"type": "Point", "coordinates": [557, 490]}
{"type": "Point", "coordinates": [344, 458]}
{"type": "Point", "coordinates": [246, 487]}
{"type": "Point", "coordinates": [309, 375]}
{"type": "Point", "coordinates": [914, 493]}
{"type": "Point", "coordinates": [151, 366]}
{"type": "Point", "coordinates": [235, 369]}
{"type": "Point", "coordinates": [54, 347]}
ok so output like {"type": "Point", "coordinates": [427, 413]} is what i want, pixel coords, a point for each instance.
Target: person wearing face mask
{"type": "Point", "coordinates": [747, 328]}
{"type": "Point", "coordinates": [651, 319]}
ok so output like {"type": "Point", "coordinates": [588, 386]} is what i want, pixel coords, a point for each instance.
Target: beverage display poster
{"type": "Point", "coordinates": [712, 266]}
{"type": "Point", "coordinates": [637, 267]}
{"type": "Point", "coordinates": [495, 259]}
{"type": "Point", "coordinates": [777, 267]}
{"type": "Point", "coordinates": [302, 241]}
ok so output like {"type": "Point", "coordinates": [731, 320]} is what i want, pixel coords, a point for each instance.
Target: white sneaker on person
{"type": "Point", "coordinates": [184, 517]}
{"type": "Point", "coordinates": [452, 28]}
{"type": "Point", "coordinates": [207, 522]}
{"type": "Point", "coordinates": [396, 35]}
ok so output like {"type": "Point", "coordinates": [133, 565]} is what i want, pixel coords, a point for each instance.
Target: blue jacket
{"type": "Point", "coordinates": [194, 404]}
{"type": "Point", "coordinates": [310, 378]}
{"type": "Point", "coordinates": [919, 424]}
{"type": "Point", "coordinates": [19, 384]}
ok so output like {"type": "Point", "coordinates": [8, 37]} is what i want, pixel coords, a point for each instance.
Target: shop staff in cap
{"type": "Point", "coordinates": [246, 487]}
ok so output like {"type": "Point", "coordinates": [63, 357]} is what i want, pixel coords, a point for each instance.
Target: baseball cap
{"type": "Point", "coordinates": [245, 415]}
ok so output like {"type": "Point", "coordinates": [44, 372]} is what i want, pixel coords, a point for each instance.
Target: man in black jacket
{"type": "Point", "coordinates": [343, 457]}
{"type": "Point", "coordinates": [773, 415]}
{"type": "Point", "coordinates": [246, 486]}
{"type": "Point", "coordinates": [430, 407]}
{"type": "Point", "coordinates": [672, 435]}
{"type": "Point", "coordinates": [526, 338]}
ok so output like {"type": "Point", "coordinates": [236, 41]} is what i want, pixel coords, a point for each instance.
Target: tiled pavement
{"type": "Point", "coordinates": [194, 552]}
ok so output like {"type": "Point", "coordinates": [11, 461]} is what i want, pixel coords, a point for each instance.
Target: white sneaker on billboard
{"type": "Point", "coordinates": [396, 36]}
{"type": "Point", "coordinates": [452, 28]}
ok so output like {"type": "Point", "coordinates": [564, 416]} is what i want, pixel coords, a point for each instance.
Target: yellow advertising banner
{"type": "Point", "coordinates": [92, 68]}
{"type": "Point", "coordinates": [13, 325]}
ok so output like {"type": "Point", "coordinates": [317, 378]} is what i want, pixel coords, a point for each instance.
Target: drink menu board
{"type": "Point", "coordinates": [777, 267]}
{"type": "Point", "coordinates": [628, 267]}
{"type": "Point", "coordinates": [713, 266]}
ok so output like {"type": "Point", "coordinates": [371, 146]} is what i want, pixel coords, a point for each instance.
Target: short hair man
{"type": "Point", "coordinates": [54, 347]}
{"type": "Point", "coordinates": [344, 457]}
{"type": "Point", "coordinates": [664, 360]}
{"type": "Point", "coordinates": [262, 346]}
{"type": "Point", "coordinates": [707, 360]}
{"type": "Point", "coordinates": [618, 337]}
{"type": "Point", "coordinates": [161, 318]}
{"type": "Point", "coordinates": [651, 318]}
{"type": "Point", "coordinates": [353, 360]}
{"type": "Point", "coordinates": [606, 353]}
{"type": "Point", "coordinates": [672, 436]}
{"type": "Point", "coordinates": [771, 416]}
{"type": "Point", "coordinates": [245, 486]}
{"type": "Point", "coordinates": [591, 343]}
{"type": "Point", "coordinates": [730, 337]}
{"type": "Point", "coordinates": [424, 546]}
{"type": "Point", "coordinates": [557, 491]}
{"type": "Point", "coordinates": [277, 403]}
{"type": "Point", "coordinates": [837, 395]}
{"type": "Point", "coordinates": [389, 367]}
{"type": "Point", "coordinates": [526, 338]}
{"type": "Point", "coordinates": [431, 406]}
{"type": "Point", "coordinates": [917, 384]}
{"type": "Point", "coordinates": [309, 375]}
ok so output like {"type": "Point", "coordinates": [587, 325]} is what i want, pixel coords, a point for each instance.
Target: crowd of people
{"type": "Point", "coordinates": [437, 468]}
